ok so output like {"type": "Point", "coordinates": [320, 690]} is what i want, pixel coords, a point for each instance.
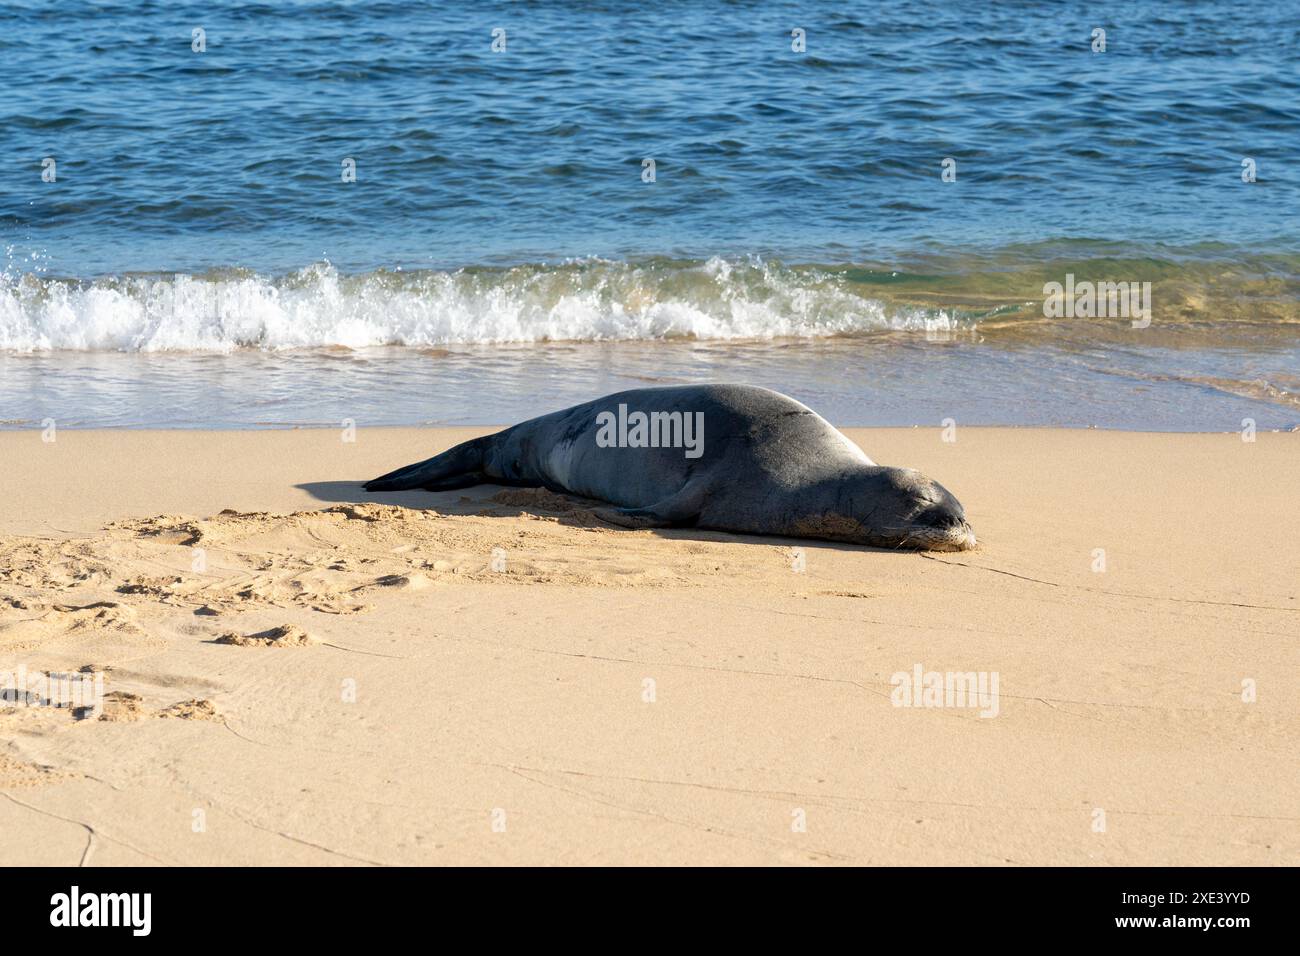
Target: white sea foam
{"type": "Point", "coordinates": [590, 300]}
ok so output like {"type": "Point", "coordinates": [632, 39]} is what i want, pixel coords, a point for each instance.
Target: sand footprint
{"type": "Point", "coordinates": [125, 707]}
{"type": "Point", "coordinates": [285, 635]}
{"type": "Point", "coordinates": [192, 709]}
{"type": "Point", "coordinates": [119, 706]}
{"type": "Point", "coordinates": [401, 582]}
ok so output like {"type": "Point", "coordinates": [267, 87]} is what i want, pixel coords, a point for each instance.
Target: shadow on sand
{"type": "Point", "coordinates": [467, 501]}
{"type": "Point", "coordinates": [504, 501]}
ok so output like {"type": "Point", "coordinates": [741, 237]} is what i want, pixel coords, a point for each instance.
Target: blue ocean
{"type": "Point", "coordinates": [228, 214]}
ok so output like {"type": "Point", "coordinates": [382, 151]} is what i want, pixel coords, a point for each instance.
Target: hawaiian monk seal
{"type": "Point", "coordinates": [724, 457]}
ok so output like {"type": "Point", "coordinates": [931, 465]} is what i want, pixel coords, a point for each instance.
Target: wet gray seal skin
{"type": "Point", "coordinates": [762, 463]}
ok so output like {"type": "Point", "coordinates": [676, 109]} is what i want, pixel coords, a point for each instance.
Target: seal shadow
{"type": "Point", "coordinates": [482, 500]}
{"type": "Point", "coordinates": [353, 492]}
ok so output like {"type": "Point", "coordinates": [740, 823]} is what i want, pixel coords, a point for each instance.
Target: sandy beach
{"type": "Point", "coordinates": [296, 672]}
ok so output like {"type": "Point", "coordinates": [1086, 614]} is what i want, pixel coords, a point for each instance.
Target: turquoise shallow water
{"type": "Point", "coordinates": [199, 260]}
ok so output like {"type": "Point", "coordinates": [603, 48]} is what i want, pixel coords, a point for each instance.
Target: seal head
{"type": "Point", "coordinates": [901, 508]}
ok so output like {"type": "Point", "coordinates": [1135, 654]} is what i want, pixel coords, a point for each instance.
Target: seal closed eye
{"type": "Point", "coordinates": [724, 457]}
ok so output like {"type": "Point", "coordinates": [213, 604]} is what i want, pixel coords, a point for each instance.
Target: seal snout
{"type": "Point", "coordinates": [960, 538]}
{"type": "Point", "coordinates": [944, 528]}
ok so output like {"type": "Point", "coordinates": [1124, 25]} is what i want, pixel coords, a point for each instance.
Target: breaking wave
{"type": "Point", "coordinates": [315, 307]}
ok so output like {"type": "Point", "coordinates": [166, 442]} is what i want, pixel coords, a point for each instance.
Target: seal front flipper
{"type": "Point", "coordinates": [633, 517]}
{"type": "Point", "coordinates": [682, 508]}
{"type": "Point", "coordinates": [458, 467]}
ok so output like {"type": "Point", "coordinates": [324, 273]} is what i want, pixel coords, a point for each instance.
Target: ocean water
{"type": "Point", "coordinates": [182, 242]}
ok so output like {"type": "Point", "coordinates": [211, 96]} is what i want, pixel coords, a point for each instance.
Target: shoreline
{"type": "Point", "coordinates": [519, 696]}
{"type": "Point", "coordinates": [1072, 375]}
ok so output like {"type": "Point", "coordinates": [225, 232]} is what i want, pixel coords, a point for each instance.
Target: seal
{"type": "Point", "coordinates": [723, 457]}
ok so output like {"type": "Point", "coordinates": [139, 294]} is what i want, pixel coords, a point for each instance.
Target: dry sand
{"type": "Point", "coordinates": [349, 679]}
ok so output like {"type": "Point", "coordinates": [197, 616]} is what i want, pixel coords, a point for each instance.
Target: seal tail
{"type": "Point", "coordinates": [458, 467]}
